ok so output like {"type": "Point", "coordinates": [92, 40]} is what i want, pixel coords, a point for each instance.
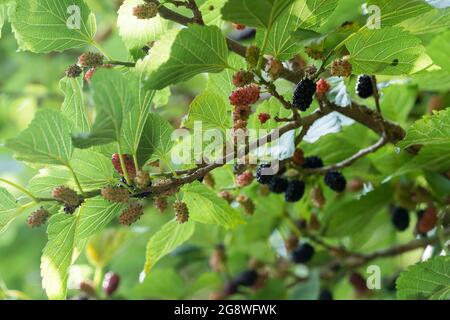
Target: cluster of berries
{"type": "Point", "coordinates": [293, 189]}
{"type": "Point", "coordinates": [426, 219]}
{"type": "Point", "coordinates": [242, 99]}
{"type": "Point", "coordinates": [333, 179]}
{"type": "Point", "coordinates": [88, 61]}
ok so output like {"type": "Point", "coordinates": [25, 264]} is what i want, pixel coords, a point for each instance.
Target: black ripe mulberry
{"type": "Point", "coordinates": [303, 253]}
{"type": "Point", "coordinates": [364, 86]}
{"type": "Point", "coordinates": [294, 191]}
{"type": "Point", "coordinates": [38, 218]}
{"type": "Point", "coordinates": [261, 177]}
{"type": "Point", "coordinates": [181, 211]}
{"type": "Point", "coordinates": [400, 218]}
{"type": "Point", "coordinates": [246, 278]}
{"type": "Point", "coordinates": [335, 180]}
{"type": "Point", "coordinates": [74, 71]}
{"type": "Point", "coordinates": [278, 184]}
{"type": "Point", "coordinates": [115, 194]}
{"type": "Point", "coordinates": [313, 162]}
{"type": "Point", "coordinates": [131, 214]}
{"type": "Point", "coordinates": [325, 295]}
{"type": "Point", "coordinates": [110, 283]}
{"type": "Point", "coordinates": [303, 94]}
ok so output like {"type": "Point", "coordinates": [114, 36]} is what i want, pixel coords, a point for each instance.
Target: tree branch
{"type": "Point", "coordinates": [349, 161]}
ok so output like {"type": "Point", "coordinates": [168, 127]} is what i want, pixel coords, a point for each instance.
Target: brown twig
{"type": "Point", "coordinates": [349, 161]}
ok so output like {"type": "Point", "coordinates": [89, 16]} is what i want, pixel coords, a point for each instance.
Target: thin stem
{"type": "Point", "coordinates": [121, 63]}
{"type": "Point", "coordinates": [263, 48]}
{"type": "Point", "coordinates": [135, 161]}
{"type": "Point", "coordinates": [123, 165]}
{"type": "Point", "coordinates": [98, 276]}
{"type": "Point", "coordinates": [22, 189]}
{"type": "Point", "coordinates": [75, 178]}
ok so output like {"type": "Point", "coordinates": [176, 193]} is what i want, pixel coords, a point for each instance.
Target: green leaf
{"type": "Point", "coordinates": [8, 209]}
{"type": "Point", "coordinates": [42, 184]}
{"type": "Point", "coordinates": [93, 169]}
{"type": "Point", "coordinates": [60, 252]}
{"type": "Point", "coordinates": [395, 11]}
{"type": "Point", "coordinates": [167, 239]}
{"type": "Point", "coordinates": [136, 119]}
{"type": "Point", "coordinates": [113, 99]}
{"type": "Point", "coordinates": [431, 157]}
{"type": "Point", "coordinates": [211, 12]}
{"type": "Point", "coordinates": [397, 102]}
{"type": "Point", "coordinates": [95, 214]}
{"type": "Point", "coordinates": [387, 51]}
{"type": "Point", "coordinates": [3, 15]}
{"type": "Point", "coordinates": [309, 15]}
{"type": "Point", "coordinates": [426, 280]}
{"type": "Point", "coordinates": [436, 80]}
{"type": "Point", "coordinates": [439, 185]}
{"type": "Point", "coordinates": [73, 106]}
{"type": "Point", "coordinates": [102, 247]}
{"type": "Point", "coordinates": [434, 21]}
{"type": "Point", "coordinates": [306, 37]}
{"type": "Point", "coordinates": [431, 129]}
{"type": "Point", "coordinates": [439, 50]}
{"type": "Point", "coordinates": [307, 290]}
{"type": "Point", "coordinates": [346, 218]}
{"type": "Point", "coordinates": [210, 109]}
{"type": "Point", "coordinates": [67, 236]}
{"type": "Point", "coordinates": [136, 33]}
{"type": "Point", "coordinates": [43, 25]}
{"type": "Point", "coordinates": [161, 284]}
{"type": "Point", "coordinates": [184, 53]}
{"type": "Point", "coordinates": [46, 140]}
{"type": "Point", "coordinates": [156, 142]}
{"type": "Point", "coordinates": [246, 12]}
{"type": "Point", "coordinates": [206, 207]}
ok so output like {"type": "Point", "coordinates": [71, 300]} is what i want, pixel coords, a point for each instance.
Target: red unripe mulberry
{"type": "Point", "coordinates": [129, 164]}
{"type": "Point", "coordinates": [428, 220]}
{"type": "Point", "coordinates": [263, 117]}
{"type": "Point", "coordinates": [322, 86]}
{"type": "Point", "coordinates": [131, 214]}
{"type": "Point", "coordinates": [245, 96]}
{"type": "Point", "coordinates": [38, 218]}
{"type": "Point", "coordinates": [244, 179]}
{"type": "Point", "coordinates": [110, 283]}
{"type": "Point", "coordinates": [242, 78]}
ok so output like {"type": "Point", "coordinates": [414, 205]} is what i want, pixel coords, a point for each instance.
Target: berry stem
{"type": "Point", "coordinates": [23, 190]}
{"type": "Point", "coordinates": [122, 164]}
{"type": "Point", "coordinates": [75, 178]}
{"type": "Point", "coordinates": [98, 276]}
{"type": "Point", "coordinates": [121, 63]}
{"type": "Point", "coordinates": [135, 161]}
{"type": "Point", "coordinates": [441, 231]}
{"type": "Point", "coordinates": [263, 48]}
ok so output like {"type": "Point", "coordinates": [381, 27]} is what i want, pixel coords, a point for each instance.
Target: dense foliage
{"type": "Point", "coordinates": [98, 200]}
